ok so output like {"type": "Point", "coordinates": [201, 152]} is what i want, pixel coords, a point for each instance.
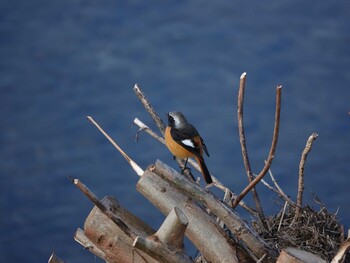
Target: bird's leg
{"type": "Point", "coordinates": [184, 168]}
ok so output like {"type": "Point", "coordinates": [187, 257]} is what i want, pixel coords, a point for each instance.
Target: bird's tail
{"type": "Point", "coordinates": [204, 169]}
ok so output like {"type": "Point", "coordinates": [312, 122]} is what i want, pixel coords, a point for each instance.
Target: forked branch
{"type": "Point", "coordinates": [271, 153]}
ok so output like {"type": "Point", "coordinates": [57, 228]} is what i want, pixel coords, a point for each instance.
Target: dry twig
{"type": "Point", "coordinates": [149, 108]}
{"type": "Point", "coordinates": [93, 198]}
{"type": "Point", "coordinates": [139, 171]}
{"type": "Point", "coordinates": [271, 153]}
{"type": "Point", "coordinates": [306, 151]}
{"type": "Point", "coordinates": [280, 191]}
{"type": "Point", "coordinates": [242, 140]}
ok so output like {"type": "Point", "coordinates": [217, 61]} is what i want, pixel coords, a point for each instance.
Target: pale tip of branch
{"type": "Point", "coordinates": [140, 124]}
{"type": "Point", "coordinates": [244, 74]}
{"type": "Point", "coordinates": [89, 118]}
{"type": "Point", "coordinates": [138, 170]}
{"type": "Point", "coordinates": [136, 86]}
{"type": "Point", "coordinates": [313, 136]}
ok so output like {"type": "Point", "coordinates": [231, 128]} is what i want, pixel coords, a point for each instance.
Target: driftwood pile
{"type": "Point", "coordinates": [296, 234]}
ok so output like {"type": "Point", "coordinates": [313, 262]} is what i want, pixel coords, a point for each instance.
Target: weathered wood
{"type": "Point", "coordinates": [231, 219]}
{"type": "Point", "coordinates": [301, 186]}
{"type": "Point", "coordinates": [202, 229]}
{"type": "Point", "coordinates": [342, 251]}
{"type": "Point", "coordinates": [93, 198]}
{"type": "Point", "coordinates": [172, 231]}
{"type": "Point", "coordinates": [167, 244]}
{"type": "Point", "coordinates": [294, 255]}
{"type": "Point", "coordinates": [160, 251]}
{"type": "Point", "coordinates": [88, 244]}
{"type": "Point", "coordinates": [112, 240]}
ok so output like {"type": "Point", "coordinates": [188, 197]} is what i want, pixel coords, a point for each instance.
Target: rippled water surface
{"type": "Point", "coordinates": [64, 60]}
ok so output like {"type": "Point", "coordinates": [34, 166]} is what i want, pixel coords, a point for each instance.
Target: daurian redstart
{"type": "Point", "coordinates": [184, 141]}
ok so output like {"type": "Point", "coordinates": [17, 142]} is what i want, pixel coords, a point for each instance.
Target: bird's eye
{"type": "Point", "coordinates": [171, 120]}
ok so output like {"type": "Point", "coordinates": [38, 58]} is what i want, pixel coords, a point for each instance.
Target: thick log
{"type": "Point", "coordinates": [232, 220]}
{"type": "Point", "coordinates": [294, 255]}
{"type": "Point", "coordinates": [107, 237]}
{"type": "Point", "coordinates": [202, 229]}
{"type": "Point", "coordinates": [88, 244]}
{"type": "Point", "coordinates": [172, 231]}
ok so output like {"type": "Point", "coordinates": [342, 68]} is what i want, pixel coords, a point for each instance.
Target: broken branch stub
{"type": "Point", "coordinates": [172, 230]}
{"type": "Point", "coordinates": [160, 252]}
{"type": "Point", "coordinates": [167, 244]}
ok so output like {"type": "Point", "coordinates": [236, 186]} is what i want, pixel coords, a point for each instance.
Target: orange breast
{"type": "Point", "coordinates": [175, 148]}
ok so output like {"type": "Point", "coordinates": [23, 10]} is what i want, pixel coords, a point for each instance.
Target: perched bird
{"type": "Point", "coordinates": [184, 141]}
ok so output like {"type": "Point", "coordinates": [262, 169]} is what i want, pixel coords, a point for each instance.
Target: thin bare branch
{"type": "Point", "coordinates": [242, 141]}
{"type": "Point", "coordinates": [280, 191]}
{"type": "Point", "coordinates": [282, 216]}
{"type": "Point", "coordinates": [145, 128]}
{"type": "Point", "coordinates": [271, 153]}
{"type": "Point", "coordinates": [270, 187]}
{"type": "Point", "coordinates": [149, 108]}
{"type": "Point", "coordinates": [306, 151]}
{"type": "Point", "coordinates": [93, 198]}
{"type": "Point", "coordinates": [139, 171]}
{"type": "Point", "coordinates": [241, 132]}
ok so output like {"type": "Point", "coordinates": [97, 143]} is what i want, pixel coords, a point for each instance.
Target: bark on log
{"type": "Point", "coordinates": [202, 229]}
{"type": "Point", "coordinates": [107, 237]}
{"type": "Point", "coordinates": [160, 252]}
{"type": "Point", "coordinates": [172, 231]}
{"type": "Point", "coordinates": [232, 220]}
{"type": "Point", "coordinates": [88, 244]}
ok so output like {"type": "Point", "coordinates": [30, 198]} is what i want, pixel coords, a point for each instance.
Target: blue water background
{"type": "Point", "coordinates": [63, 60]}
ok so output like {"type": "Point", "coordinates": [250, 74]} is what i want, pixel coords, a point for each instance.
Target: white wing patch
{"type": "Point", "coordinates": [188, 142]}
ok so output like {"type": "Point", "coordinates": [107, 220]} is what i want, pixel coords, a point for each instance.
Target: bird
{"type": "Point", "coordinates": [184, 141]}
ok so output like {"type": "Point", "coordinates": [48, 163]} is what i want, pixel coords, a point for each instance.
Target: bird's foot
{"type": "Point", "coordinates": [185, 169]}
